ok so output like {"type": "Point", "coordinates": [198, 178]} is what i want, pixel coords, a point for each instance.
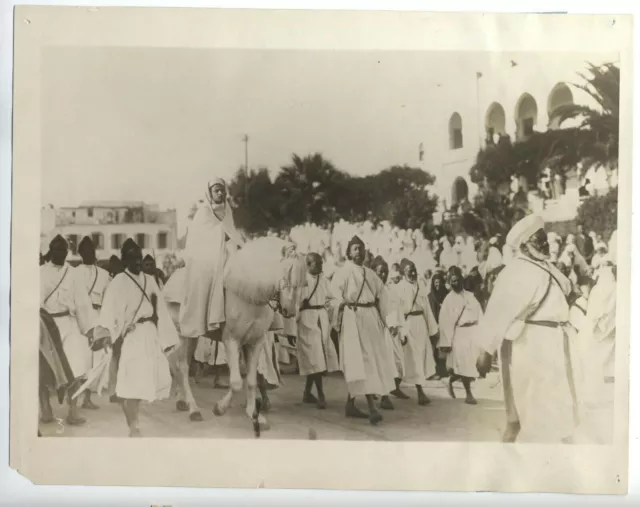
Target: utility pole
{"type": "Point", "coordinates": [245, 140]}
{"type": "Point", "coordinates": [478, 77]}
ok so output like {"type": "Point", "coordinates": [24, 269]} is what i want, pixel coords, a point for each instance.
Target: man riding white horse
{"type": "Point", "coordinates": [212, 238]}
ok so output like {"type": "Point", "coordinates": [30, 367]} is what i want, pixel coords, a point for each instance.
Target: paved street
{"type": "Point", "coordinates": [445, 419]}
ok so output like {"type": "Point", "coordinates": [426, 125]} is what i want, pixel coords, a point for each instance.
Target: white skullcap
{"type": "Point", "coordinates": [523, 230]}
{"type": "Point", "coordinates": [493, 241]}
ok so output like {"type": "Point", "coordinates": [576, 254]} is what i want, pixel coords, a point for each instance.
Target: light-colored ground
{"type": "Point", "coordinates": [445, 419]}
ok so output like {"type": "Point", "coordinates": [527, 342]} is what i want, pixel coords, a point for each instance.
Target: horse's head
{"type": "Point", "coordinates": [291, 284]}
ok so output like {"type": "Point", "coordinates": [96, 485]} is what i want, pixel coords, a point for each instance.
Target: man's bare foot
{"type": "Point", "coordinates": [354, 412]}
{"type": "Point", "coordinates": [321, 404]}
{"type": "Point", "coordinates": [400, 394]}
{"type": "Point", "coordinates": [47, 419]}
{"type": "Point", "coordinates": [90, 405]}
{"type": "Point", "coordinates": [423, 399]}
{"type": "Point", "coordinates": [76, 421]}
{"type": "Point", "coordinates": [451, 391]}
{"type": "Point", "coordinates": [182, 406]}
{"type": "Point", "coordinates": [385, 403]}
{"type": "Point", "coordinates": [375, 417]}
{"type": "Point", "coordinates": [309, 398]}
{"type": "Point", "coordinates": [470, 400]}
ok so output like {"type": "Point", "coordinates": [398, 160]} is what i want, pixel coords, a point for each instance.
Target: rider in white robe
{"type": "Point", "coordinates": [212, 236]}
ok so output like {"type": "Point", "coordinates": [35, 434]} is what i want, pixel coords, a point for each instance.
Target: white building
{"type": "Point", "coordinates": [109, 224]}
{"type": "Point", "coordinates": [515, 96]}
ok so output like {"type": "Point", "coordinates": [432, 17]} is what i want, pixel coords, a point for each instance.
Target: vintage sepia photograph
{"type": "Point", "coordinates": [343, 246]}
{"type": "Point", "coordinates": [359, 245]}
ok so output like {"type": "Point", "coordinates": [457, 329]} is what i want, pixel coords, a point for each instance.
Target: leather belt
{"type": "Point", "coordinates": [61, 314]}
{"type": "Point", "coordinates": [546, 323]}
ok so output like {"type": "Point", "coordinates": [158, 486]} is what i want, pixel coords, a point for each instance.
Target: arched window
{"type": "Point", "coordinates": [459, 190]}
{"type": "Point", "coordinates": [560, 96]}
{"type": "Point", "coordinates": [455, 132]}
{"type": "Point", "coordinates": [526, 116]}
{"type": "Point", "coordinates": [495, 121]}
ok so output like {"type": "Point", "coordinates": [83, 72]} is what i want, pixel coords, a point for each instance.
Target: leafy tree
{"type": "Point", "coordinates": [597, 135]}
{"type": "Point", "coordinates": [600, 213]}
{"type": "Point", "coordinates": [312, 189]}
{"type": "Point", "coordinates": [309, 189]}
{"type": "Point", "coordinates": [255, 200]}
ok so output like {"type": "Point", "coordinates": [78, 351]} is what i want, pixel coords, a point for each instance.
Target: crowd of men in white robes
{"type": "Point", "coordinates": [388, 308]}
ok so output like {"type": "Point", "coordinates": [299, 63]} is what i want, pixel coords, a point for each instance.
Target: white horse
{"type": "Point", "coordinates": [179, 357]}
{"type": "Point", "coordinates": [260, 279]}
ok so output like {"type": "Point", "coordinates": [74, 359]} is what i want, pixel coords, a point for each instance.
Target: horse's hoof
{"type": "Point", "coordinates": [264, 424]}
{"type": "Point", "coordinates": [217, 410]}
{"type": "Point", "coordinates": [196, 416]}
{"type": "Point", "coordinates": [182, 406]}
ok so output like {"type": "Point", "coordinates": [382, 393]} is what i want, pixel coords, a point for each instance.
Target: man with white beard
{"type": "Point", "coordinates": [529, 311]}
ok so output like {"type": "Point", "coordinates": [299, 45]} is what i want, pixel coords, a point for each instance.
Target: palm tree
{"type": "Point", "coordinates": [595, 139]}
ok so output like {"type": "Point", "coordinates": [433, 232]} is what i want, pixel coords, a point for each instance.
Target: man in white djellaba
{"type": "Point", "coordinates": [529, 310]}
{"type": "Point", "coordinates": [361, 306]}
{"type": "Point", "coordinates": [95, 281]}
{"type": "Point", "coordinates": [458, 322]}
{"type": "Point", "coordinates": [418, 326]}
{"type": "Point", "coordinates": [134, 312]}
{"type": "Point", "coordinates": [68, 302]}
{"type": "Point", "coordinates": [211, 238]}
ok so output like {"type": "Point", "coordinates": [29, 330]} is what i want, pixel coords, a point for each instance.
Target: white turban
{"type": "Point", "coordinates": [216, 181]}
{"type": "Point", "coordinates": [523, 230]}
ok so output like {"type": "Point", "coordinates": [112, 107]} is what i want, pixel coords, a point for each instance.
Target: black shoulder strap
{"type": "Point", "coordinates": [552, 277]}
{"type": "Point", "coordinates": [144, 291]}
{"type": "Point", "coordinates": [364, 281]}
{"type": "Point", "coordinates": [315, 287]}
{"type": "Point", "coordinates": [95, 279]}
{"type": "Point", "coordinates": [58, 285]}
{"type": "Point", "coordinates": [415, 296]}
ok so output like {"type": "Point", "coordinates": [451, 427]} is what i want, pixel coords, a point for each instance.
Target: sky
{"type": "Point", "coordinates": [155, 124]}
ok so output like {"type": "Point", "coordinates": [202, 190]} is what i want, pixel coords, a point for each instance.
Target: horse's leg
{"type": "Point", "coordinates": [235, 380]}
{"type": "Point", "coordinates": [186, 400]}
{"type": "Point", "coordinates": [253, 356]}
